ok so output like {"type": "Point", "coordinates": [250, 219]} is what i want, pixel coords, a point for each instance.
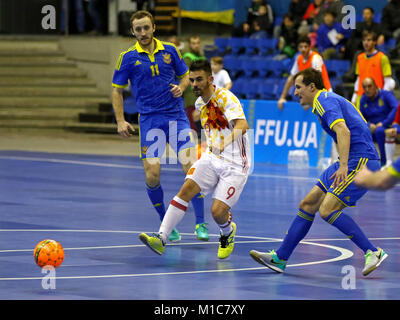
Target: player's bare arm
{"type": "Point", "coordinates": [177, 90]}
{"type": "Point", "coordinates": [380, 180]}
{"type": "Point", "coordinates": [288, 84]}
{"type": "Point", "coordinates": [343, 146]}
{"type": "Point", "coordinates": [118, 106]}
{"type": "Point", "coordinates": [240, 128]}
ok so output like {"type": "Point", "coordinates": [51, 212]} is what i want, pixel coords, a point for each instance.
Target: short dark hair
{"type": "Point", "coordinates": [370, 9]}
{"type": "Point", "coordinates": [310, 75]}
{"type": "Point", "coordinates": [369, 33]}
{"type": "Point", "coordinates": [304, 39]}
{"type": "Point", "coordinates": [201, 65]}
{"type": "Point", "coordinates": [142, 14]}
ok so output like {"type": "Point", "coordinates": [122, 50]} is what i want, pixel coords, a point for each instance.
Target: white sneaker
{"type": "Point", "coordinates": [373, 259]}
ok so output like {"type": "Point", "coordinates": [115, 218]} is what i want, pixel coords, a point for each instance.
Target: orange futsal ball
{"type": "Point", "coordinates": [48, 253]}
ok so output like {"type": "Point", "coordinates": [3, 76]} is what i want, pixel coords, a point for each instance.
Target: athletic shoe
{"type": "Point", "coordinates": [269, 259]}
{"type": "Point", "coordinates": [175, 236]}
{"type": "Point", "coordinates": [154, 242]}
{"type": "Point", "coordinates": [373, 259]}
{"type": "Point", "coordinates": [202, 232]}
{"type": "Point", "coordinates": [227, 243]}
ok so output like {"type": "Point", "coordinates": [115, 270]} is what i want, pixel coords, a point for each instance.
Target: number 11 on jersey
{"type": "Point", "coordinates": [154, 70]}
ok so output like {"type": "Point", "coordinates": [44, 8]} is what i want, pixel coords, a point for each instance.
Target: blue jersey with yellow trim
{"type": "Point", "coordinates": [150, 76]}
{"type": "Point", "coordinates": [331, 109]}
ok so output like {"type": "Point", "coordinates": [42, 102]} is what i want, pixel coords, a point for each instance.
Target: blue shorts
{"type": "Point", "coordinates": [349, 193]}
{"type": "Point", "coordinates": [156, 130]}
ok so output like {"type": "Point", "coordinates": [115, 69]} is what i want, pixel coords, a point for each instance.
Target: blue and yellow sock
{"type": "Point", "coordinates": [347, 225]}
{"type": "Point", "coordinates": [198, 207]}
{"type": "Point", "coordinates": [156, 195]}
{"type": "Point", "coordinates": [297, 231]}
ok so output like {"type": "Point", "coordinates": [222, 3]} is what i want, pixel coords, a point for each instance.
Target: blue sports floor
{"type": "Point", "coordinates": [96, 206]}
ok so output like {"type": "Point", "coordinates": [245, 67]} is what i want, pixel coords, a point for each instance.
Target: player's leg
{"type": "Point", "coordinates": [175, 213]}
{"type": "Point", "coordinates": [186, 139]}
{"type": "Point", "coordinates": [200, 178]}
{"type": "Point", "coordinates": [296, 232]}
{"type": "Point", "coordinates": [380, 138]}
{"type": "Point", "coordinates": [227, 192]}
{"type": "Point", "coordinates": [390, 142]}
{"type": "Point", "coordinates": [331, 210]}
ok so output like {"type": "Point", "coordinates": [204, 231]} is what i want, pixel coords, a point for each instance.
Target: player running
{"type": "Point", "coordinates": [151, 67]}
{"type": "Point", "coordinates": [335, 188]}
{"type": "Point", "coordinates": [223, 168]}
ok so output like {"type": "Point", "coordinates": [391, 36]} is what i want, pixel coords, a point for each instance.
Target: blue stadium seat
{"type": "Point", "coordinates": [250, 46]}
{"type": "Point", "coordinates": [233, 64]}
{"type": "Point", "coordinates": [222, 44]}
{"type": "Point", "coordinates": [251, 88]}
{"type": "Point", "coordinates": [236, 45]}
{"type": "Point", "coordinates": [238, 87]}
{"type": "Point", "coordinates": [267, 46]}
{"type": "Point", "coordinates": [251, 66]}
{"type": "Point", "coordinates": [336, 68]}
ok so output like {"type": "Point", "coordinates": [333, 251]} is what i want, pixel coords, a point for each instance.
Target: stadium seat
{"type": "Point", "coordinates": [238, 88]}
{"type": "Point", "coordinates": [222, 45]}
{"type": "Point", "coordinates": [250, 46]}
{"type": "Point", "coordinates": [251, 66]}
{"type": "Point", "coordinates": [233, 64]}
{"type": "Point", "coordinates": [251, 88]}
{"type": "Point", "coordinates": [266, 46]}
{"type": "Point", "coordinates": [236, 45]}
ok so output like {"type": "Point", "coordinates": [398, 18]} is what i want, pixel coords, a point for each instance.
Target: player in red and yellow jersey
{"type": "Point", "coordinates": [306, 59]}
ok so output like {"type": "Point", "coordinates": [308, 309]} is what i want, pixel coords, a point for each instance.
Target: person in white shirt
{"type": "Point", "coordinates": [223, 169]}
{"type": "Point", "coordinates": [220, 75]}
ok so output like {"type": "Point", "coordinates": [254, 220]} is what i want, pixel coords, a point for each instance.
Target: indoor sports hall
{"type": "Point", "coordinates": [66, 174]}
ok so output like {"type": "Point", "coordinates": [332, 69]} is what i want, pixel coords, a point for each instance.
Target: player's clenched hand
{"type": "Point", "coordinates": [125, 129]}
{"type": "Point", "coordinates": [176, 90]}
{"type": "Point", "coordinates": [340, 176]}
{"type": "Point", "coordinates": [217, 148]}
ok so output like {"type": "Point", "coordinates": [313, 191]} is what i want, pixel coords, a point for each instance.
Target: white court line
{"type": "Point", "coordinates": [344, 254]}
{"type": "Point", "coordinates": [125, 166]}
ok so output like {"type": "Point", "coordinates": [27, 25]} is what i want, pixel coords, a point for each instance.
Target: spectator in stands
{"type": "Point", "coordinates": [312, 11]}
{"type": "Point", "coordinates": [334, 6]}
{"type": "Point", "coordinates": [306, 59]}
{"type": "Point", "coordinates": [75, 8]}
{"type": "Point", "coordinates": [261, 13]}
{"type": "Point", "coordinates": [354, 46]}
{"type": "Point", "coordinates": [262, 24]}
{"type": "Point", "coordinates": [374, 64]}
{"type": "Point", "coordinates": [242, 31]}
{"type": "Point", "coordinates": [331, 36]}
{"type": "Point", "coordinates": [297, 9]}
{"type": "Point", "coordinates": [379, 108]}
{"type": "Point", "coordinates": [391, 18]}
{"type": "Point", "coordinates": [177, 42]}
{"type": "Point", "coordinates": [193, 53]}
{"type": "Point", "coordinates": [287, 38]}
{"type": "Point", "coordinates": [220, 75]}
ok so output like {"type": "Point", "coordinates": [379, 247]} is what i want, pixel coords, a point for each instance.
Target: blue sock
{"type": "Point", "coordinates": [198, 207]}
{"type": "Point", "coordinates": [297, 231]}
{"type": "Point", "coordinates": [347, 225]}
{"type": "Point", "coordinates": [156, 195]}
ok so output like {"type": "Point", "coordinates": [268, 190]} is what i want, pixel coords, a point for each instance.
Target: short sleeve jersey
{"type": "Point", "coordinates": [150, 76]}
{"type": "Point", "coordinates": [330, 109]}
{"type": "Point", "coordinates": [217, 118]}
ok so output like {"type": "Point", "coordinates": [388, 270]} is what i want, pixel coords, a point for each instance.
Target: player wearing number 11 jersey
{"type": "Point", "coordinates": [223, 168]}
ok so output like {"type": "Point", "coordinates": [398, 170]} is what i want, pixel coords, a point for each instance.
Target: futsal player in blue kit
{"type": "Point", "coordinates": [335, 189]}
{"type": "Point", "coordinates": [151, 67]}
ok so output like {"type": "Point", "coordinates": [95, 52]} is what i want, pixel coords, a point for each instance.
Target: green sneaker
{"type": "Point", "coordinates": [175, 236]}
{"type": "Point", "coordinates": [202, 232]}
{"type": "Point", "coordinates": [269, 260]}
{"type": "Point", "coordinates": [154, 242]}
{"type": "Point", "coordinates": [373, 259]}
{"type": "Point", "coordinates": [226, 244]}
